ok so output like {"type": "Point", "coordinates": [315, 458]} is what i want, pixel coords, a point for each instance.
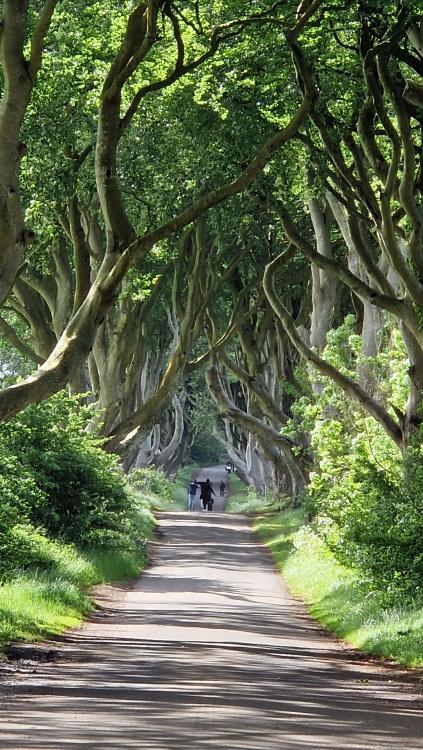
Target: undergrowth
{"type": "Point", "coordinates": [244, 500]}
{"type": "Point", "coordinates": [337, 596]}
{"type": "Point", "coordinates": [46, 599]}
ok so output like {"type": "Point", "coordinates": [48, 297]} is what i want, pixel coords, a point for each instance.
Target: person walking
{"type": "Point", "coordinates": [222, 487]}
{"type": "Point", "coordinates": [192, 491]}
{"type": "Point", "coordinates": [206, 494]}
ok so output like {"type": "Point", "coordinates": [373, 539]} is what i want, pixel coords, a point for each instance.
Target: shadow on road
{"type": "Point", "coordinates": [209, 652]}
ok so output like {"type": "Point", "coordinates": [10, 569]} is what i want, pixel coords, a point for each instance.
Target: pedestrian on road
{"type": "Point", "coordinates": [222, 487]}
{"type": "Point", "coordinates": [206, 494]}
{"type": "Point", "coordinates": [192, 491]}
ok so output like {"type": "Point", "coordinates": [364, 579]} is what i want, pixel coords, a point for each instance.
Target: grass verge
{"type": "Point", "coordinates": [238, 497]}
{"type": "Point", "coordinates": [243, 500]}
{"type": "Point", "coordinates": [39, 603]}
{"type": "Point", "coordinates": [337, 597]}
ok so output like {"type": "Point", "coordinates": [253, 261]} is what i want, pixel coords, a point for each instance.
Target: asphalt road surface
{"type": "Point", "coordinates": [207, 650]}
{"type": "Point", "coordinates": [216, 475]}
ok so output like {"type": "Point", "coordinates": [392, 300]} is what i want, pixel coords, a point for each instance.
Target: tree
{"type": "Point", "coordinates": [366, 159]}
{"type": "Point", "coordinates": [19, 28]}
{"type": "Point", "coordinates": [120, 97]}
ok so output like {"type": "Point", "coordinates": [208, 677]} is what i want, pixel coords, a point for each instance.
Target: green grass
{"type": "Point", "coordinates": [116, 566]}
{"type": "Point", "coordinates": [336, 596]}
{"type": "Point", "coordinates": [242, 500]}
{"type": "Point", "coordinates": [36, 604]}
{"type": "Point", "coordinates": [238, 495]}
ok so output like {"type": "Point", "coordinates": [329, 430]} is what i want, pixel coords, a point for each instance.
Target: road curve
{"type": "Point", "coordinates": [208, 651]}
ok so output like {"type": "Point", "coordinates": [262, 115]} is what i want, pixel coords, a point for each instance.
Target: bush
{"type": "Point", "coordinates": [152, 481]}
{"type": "Point", "coordinates": [57, 483]}
{"type": "Point", "coordinates": [366, 501]}
{"type": "Point", "coordinates": [373, 519]}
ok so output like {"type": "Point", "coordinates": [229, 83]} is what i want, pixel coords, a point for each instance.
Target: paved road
{"type": "Point", "coordinates": [208, 651]}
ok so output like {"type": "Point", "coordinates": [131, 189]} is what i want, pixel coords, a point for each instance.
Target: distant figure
{"type": "Point", "coordinates": [222, 487]}
{"type": "Point", "coordinates": [192, 491]}
{"type": "Point", "coordinates": [206, 495]}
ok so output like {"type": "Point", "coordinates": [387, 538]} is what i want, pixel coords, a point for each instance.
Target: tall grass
{"type": "Point", "coordinates": [244, 500]}
{"type": "Point", "coordinates": [38, 603]}
{"type": "Point", "coordinates": [337, 596]}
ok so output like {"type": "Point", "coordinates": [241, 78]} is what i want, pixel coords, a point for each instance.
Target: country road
{"type": "Point", "coordinates": [208, 650]}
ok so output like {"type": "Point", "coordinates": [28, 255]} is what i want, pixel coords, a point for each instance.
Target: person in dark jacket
{"type": "Point", "coordinates": [222, 487]}
{"type": "Point", "coordinates": [206, 494]}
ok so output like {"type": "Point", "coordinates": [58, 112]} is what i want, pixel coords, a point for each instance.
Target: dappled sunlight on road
{"type": "Point", "coordinates": [209, 651]}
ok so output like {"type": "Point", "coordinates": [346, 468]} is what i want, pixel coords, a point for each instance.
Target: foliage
{"type": "Point", "coordinates": [57, 484]}
{"type": "Point", "coordinates": [205, 449]}
{"type": "Point", "coordinates": [13, 363]}
{"type": "Point", "coordinates": [201, 413]}
{"type": "Point", "coordinates": [337, 595]}
{"type": "Point", "coordinates": [68, 520]}
{"type": "Point", "coordinates": [151, 481]}
{"type": "Point", "coordinates": [367, 504]}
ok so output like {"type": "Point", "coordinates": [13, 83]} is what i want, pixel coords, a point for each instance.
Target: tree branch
{"type": "Point", "coordinates": [18, 343]}
{"type": "Point", "coordinates": [397, 307]}
{"type": "Point", "coordinates": [39, 35]}
{"type": "Point", "coordinates": [349, 386]}
{"type": "Point", "coordinates": [268, 403]}
{"type": "Point", "coordinates": [214, 197]}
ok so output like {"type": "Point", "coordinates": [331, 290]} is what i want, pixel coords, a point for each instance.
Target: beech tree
{"type": "Point", "coordinates": [155, 208]}
{"type": "Point", "coordinates": [367, 161]}
{"type": "Point", "coordinates": [122, 92]}
{"type": "Point", "coordinates": [19, 29]}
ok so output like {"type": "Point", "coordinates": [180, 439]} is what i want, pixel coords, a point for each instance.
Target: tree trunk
{"type": "Point", "coordinates": [276, 447]}
{"type": "Point", "coordinates": [324, 284]}
{"type": "Point", "coordinates": [165, 456]}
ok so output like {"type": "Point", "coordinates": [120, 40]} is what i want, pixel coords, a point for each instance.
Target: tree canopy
{"type": "Point", "coordinates": [211, 226]}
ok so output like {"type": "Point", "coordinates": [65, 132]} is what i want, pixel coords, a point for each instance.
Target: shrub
{"type": "Point", "coordinates": [366, 501]}
{"type": "Point", "coordinates": [56, 482]}
{"type": "Point", "coordinates": [150, 480]}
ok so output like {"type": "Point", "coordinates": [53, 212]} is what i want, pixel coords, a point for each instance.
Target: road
{"type": "Point", "coordinates": [208, 650]}
{"type": "Point", "coordinates": [216, 474]}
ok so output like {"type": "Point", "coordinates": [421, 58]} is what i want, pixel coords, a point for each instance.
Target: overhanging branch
{"type": "Point", "coordinates": [348, 385]}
